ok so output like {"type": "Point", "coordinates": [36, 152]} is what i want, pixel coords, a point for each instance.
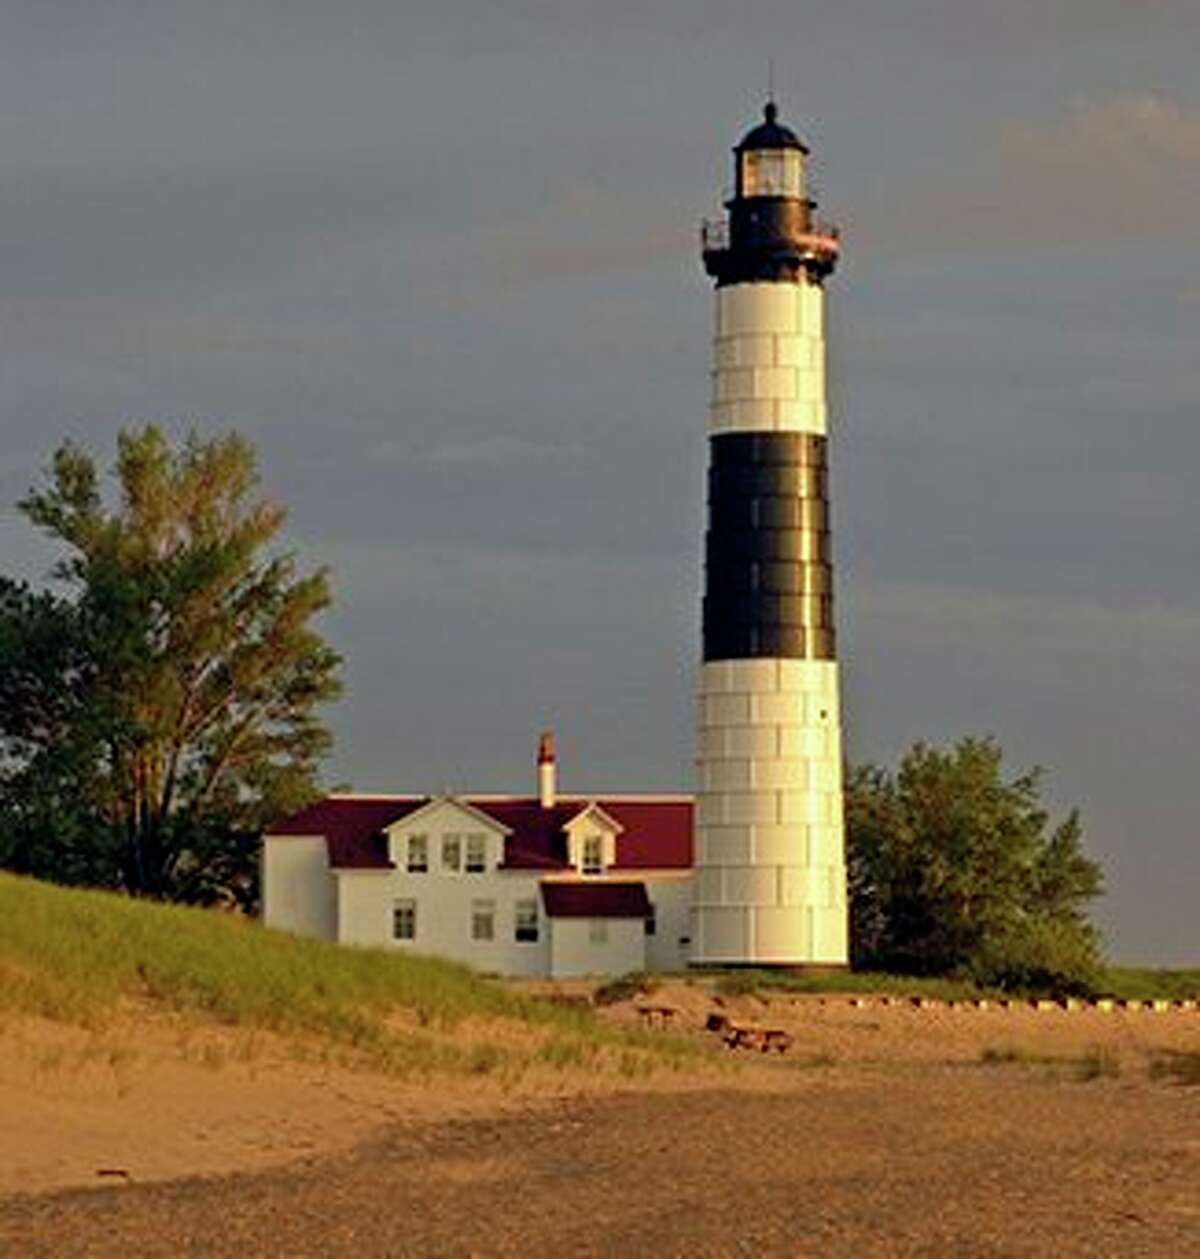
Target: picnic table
{"type": "Point", "coordinates": [656, 1015]}
{"type": "Point", "coordinates": [747, 1036]}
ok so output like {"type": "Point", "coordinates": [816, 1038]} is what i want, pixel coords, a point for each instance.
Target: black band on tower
{"type": "Point", "coordinates": [768, 571]}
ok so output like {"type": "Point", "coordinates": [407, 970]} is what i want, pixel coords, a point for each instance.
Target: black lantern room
{"type": "Point", "coordinates": [771, 232]}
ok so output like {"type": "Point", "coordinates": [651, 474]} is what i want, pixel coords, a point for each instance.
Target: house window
{"type": "Point", "coordinates": [593, 855]}
{"type": "Point", "coordinates": [651, 920]}
{"type": "Point", "coordinates": [598, 931]}
{"type": "Point", "coordinates": [404, 920]}
{"type": "Point", "coordinates": [483, 920]}
{"type": "Point", "coordinates": [418, 854]}
{"type": "Point", "coordinates": [526, 930]}
{"type": "Point", "coordinates": [452, 853]}
{"type": "Point", "coordinates": [476, 854]}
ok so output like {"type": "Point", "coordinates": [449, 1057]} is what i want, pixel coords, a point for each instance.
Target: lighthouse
{"type": "Point", "coordinates": [770, 877]}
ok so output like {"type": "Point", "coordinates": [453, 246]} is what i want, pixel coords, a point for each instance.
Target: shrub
{"type": "Point", "coordinates": [955, 870]}
{"type": "Point", "coordinates": [1043, 957]}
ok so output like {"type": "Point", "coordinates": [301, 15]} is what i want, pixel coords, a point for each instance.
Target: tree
{"type": "Point", "coordinates": [164, 707]}
{"type": "Point", "coordinates": [47, 727]}
{"type": "Point", "coordinates": [952, 871]}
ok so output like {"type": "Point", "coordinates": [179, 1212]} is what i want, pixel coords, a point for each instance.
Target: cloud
{"type": "Point", "coordinates": [102, 325]}
{"type": "Point", "coordinates": [1123, 170]}
{"type": "Point", "coordinates": [580, 230]}
{"type": "Point", "coordinates": [502, 449]}
{"type": "Point", "coordinates": [1128, 134]}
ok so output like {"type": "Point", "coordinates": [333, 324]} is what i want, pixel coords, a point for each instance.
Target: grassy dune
{"type": "Point", "coordinates": [90, 957]}
{"type": "Point", "coordinates": [876, 983]}
{"type": "Point", "coordinates": [1131, 983]}
{"type": "Point", "coordinates": [1146, 984]}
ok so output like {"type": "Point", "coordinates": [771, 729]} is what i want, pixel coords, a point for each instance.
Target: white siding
{"type": "Point", "coordinates": [298, 892]}
{"type": "Point", "coordinates": [444, 908]}
{"type": "Point", "coordinates": [574, 952]}
{"type": "Point", "coordinates": [364, 907]}
{"type": "Point", "coordinates": [669, 948]}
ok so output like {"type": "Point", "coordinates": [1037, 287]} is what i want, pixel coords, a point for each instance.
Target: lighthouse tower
{"type": "Point", "coordinates": [770, 885]}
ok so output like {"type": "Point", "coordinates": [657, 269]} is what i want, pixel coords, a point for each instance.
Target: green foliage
{"type": "Point", "coordinates": [749, 981]}
{"type": "Point", "coordinates": [953, 872]}
{"type": "Point", "coordinates": [743, 982]}
{"type": "Point", "coordinates": [1131, 983]}
{"type": "Point", "coordinates": [160, 711]}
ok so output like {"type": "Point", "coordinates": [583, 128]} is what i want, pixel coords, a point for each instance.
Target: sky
{"type": "Point", "coordinates": [440, 264]}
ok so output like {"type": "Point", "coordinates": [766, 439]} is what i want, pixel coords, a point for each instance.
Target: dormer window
{"type": "Point", "coordinates": [476, 862]}
{"type": "Point", "coordinates": [592, 840]}
{"type": "Point", "coordinates": [593, 855]}
{"type": "Point", "coordinates": [447, 837]}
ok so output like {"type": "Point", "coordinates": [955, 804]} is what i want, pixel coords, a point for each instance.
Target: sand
{"type": "Point", "coordinates": [883, 1131]}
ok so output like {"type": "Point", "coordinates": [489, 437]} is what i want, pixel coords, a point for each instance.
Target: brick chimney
{"type": "Point", "coordinates": [546, 770]}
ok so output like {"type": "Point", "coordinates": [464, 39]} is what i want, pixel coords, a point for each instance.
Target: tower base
{"type": "Point", "coordinates": [814, 970]}
{"type": "Point", "coordinates": [770, 877]}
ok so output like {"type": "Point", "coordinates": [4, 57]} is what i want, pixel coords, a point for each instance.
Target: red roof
{"type": "Point", "coordinates": [596, 900]}
{"type": "Point", "coordinates": [657, 834]}
{"type": "Point", "coordinates": [352, 827]}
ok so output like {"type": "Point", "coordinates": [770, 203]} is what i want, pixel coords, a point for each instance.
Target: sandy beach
{"type": "Point", "coordinates": [887, 1129]}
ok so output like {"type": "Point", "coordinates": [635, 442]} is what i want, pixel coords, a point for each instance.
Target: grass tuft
{"type": "Point", "coordinates": [1005, 1055]}
{"type": "Point", "coordinates": [624, 988]}
{"type": "Point", "coordinates": [1099, 1063]}
{"type": "Point", "coordinates": [1176, 1067]}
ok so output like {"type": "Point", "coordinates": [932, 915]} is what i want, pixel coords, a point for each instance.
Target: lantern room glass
{"type": "Point", "coordinates": [772, 173]}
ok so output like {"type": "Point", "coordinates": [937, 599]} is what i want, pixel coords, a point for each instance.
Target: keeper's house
{"type": "Point", "coordinates": [541, 885]}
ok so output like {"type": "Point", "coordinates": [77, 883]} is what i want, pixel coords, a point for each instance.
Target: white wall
{"type": "Point", "coordinates": [669, 948]}
{"type": "Point", "coordinates": [444, 916]}
{"type": "Point", "coordinates": [364, 903]}
{"type": "Point", "coordinates": [298, 891]}
{"type": "Point", "coordinates": [770, 865]}
{"type": "Point", "coordinates": [573, 952]}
